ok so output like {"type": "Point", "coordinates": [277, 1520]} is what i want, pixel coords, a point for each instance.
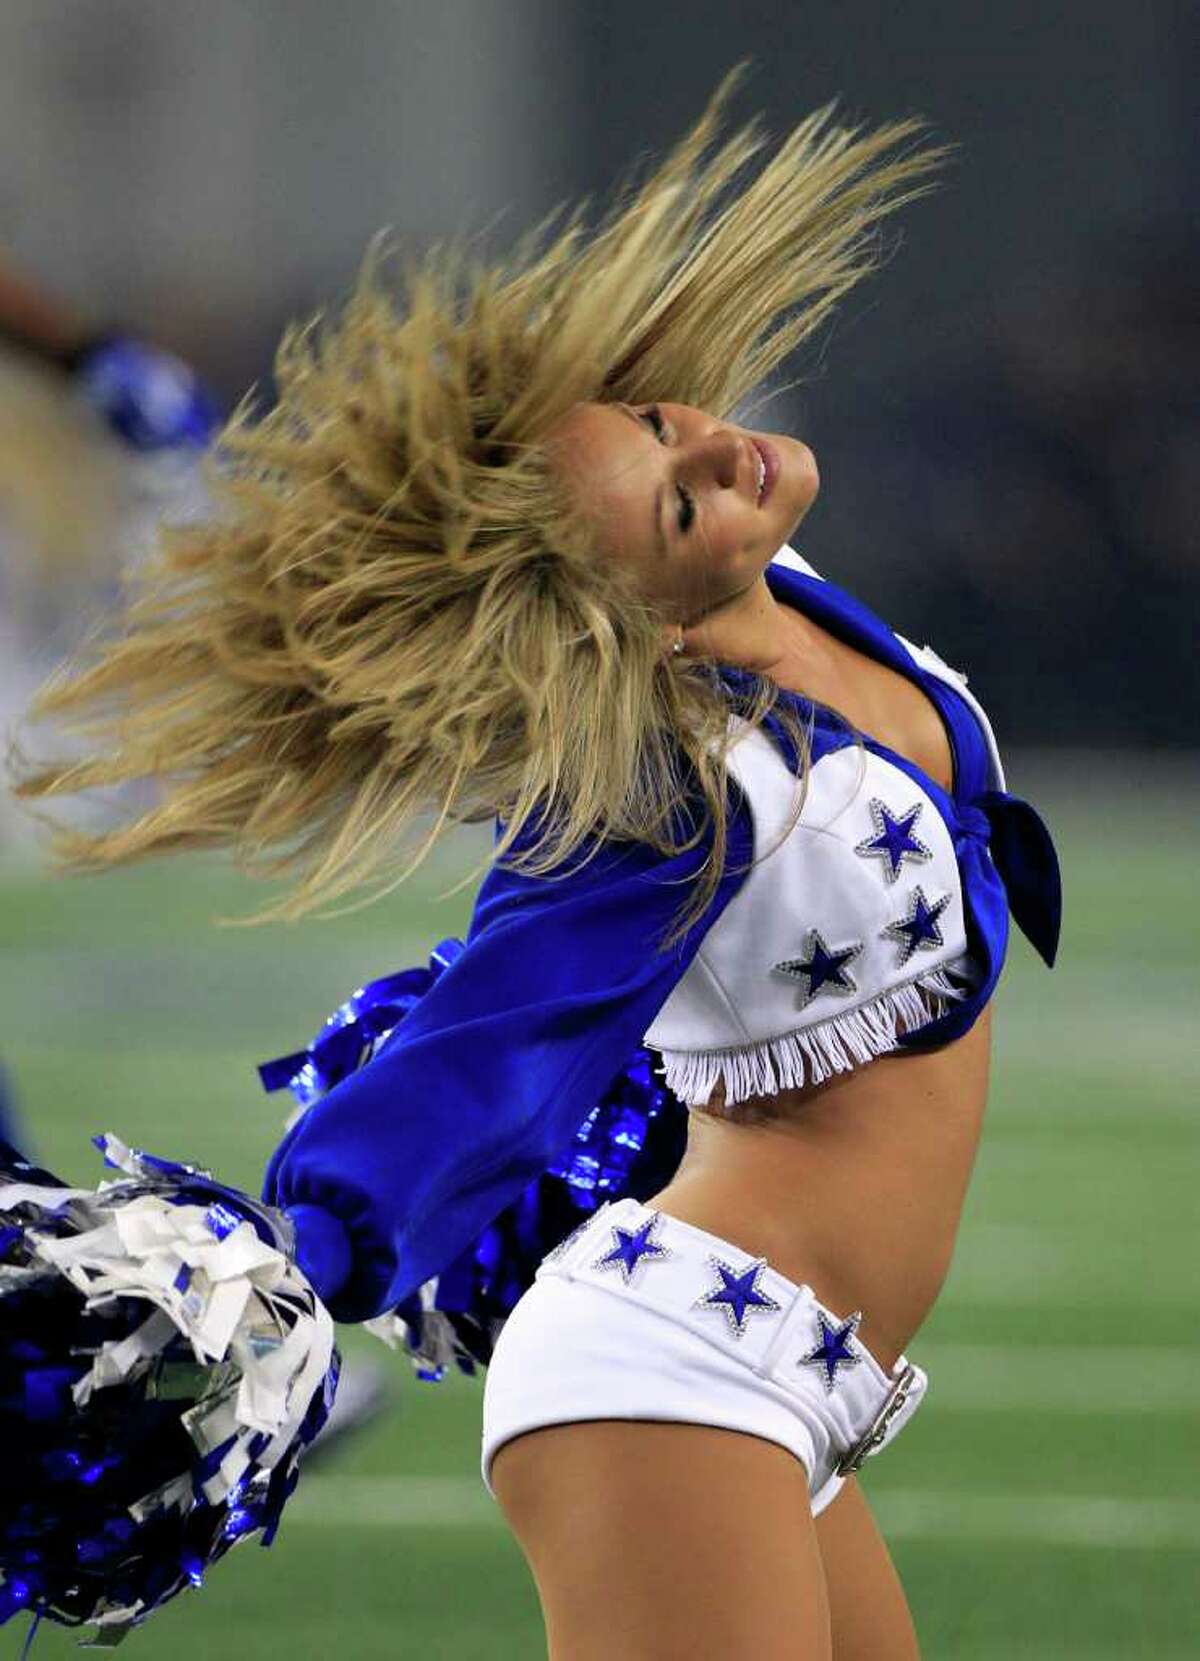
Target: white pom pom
{"type": "Point", "coordinates": [237, 1299]}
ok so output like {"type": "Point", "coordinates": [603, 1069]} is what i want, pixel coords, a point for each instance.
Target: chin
{"type": "Point", "coordinates": [807, 466]}
{"type": "Point", "coordinates": [806, 484]}
{"type": "Point", "coordinates": [798, 515]}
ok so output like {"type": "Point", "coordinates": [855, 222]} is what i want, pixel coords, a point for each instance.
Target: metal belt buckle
{"type": "Point", "coordinates": [877, 1430]}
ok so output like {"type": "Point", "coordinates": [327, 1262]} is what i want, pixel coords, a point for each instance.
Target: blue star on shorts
{"type": "Point", "coordinates": [832, 1351]}
{"type": "Point", "coordinates": [632, 1246]}
{"type": "Point", "coordinates": [893, 841]}
{"type": "Point", "coordinates": [737, 1294]}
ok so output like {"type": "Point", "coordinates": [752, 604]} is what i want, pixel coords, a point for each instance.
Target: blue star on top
{"type": "Point", "coordinates": [920, 926]}
{"type": "Point", "coordinates": [822, 967]}
{"type": "Point", "coordinates": [893, 841]}
{"type": "Point", "coordinates": [632, 1246]}
{"type": "Point", "coordinates": [737, 1294]}
{"type": "Point", "coordinates": [832, 1351]}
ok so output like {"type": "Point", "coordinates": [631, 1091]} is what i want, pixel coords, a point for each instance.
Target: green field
{"type": "Point", "coordinates": [1044, 1504]}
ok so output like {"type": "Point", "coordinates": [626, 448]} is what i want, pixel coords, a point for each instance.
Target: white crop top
{"type": "Point", "coordinates": [879, 913]}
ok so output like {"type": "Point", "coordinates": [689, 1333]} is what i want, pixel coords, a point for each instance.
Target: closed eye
{"type": "Point", "coordinates": [687, 513]}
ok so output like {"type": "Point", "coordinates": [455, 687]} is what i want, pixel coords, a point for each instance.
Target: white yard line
{"type": "Point", "coordinates": [1058, 1379]}
{"type": "Point", "coordinates": [393, 1502]}
{"type": "Point", "coordinates": [999, 1264]}
{"type": "Point", "coordinates": [1038, 1519]}
{"type": "Point", "coordinates": [1162, 1050]}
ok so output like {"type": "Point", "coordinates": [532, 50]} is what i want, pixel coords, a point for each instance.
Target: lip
{"type": "Point", "coordinates": [771, 462]}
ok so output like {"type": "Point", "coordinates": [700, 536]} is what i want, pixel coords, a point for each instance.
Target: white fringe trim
{"type": "Point", "coordinates": [835, 1045]}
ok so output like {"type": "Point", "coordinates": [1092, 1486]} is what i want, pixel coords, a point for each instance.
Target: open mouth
{"type": "Point", "coordinates": [768, 462]}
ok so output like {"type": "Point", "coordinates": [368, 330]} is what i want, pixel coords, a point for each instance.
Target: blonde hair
{"type": "Point", "coordinates": [396, 605]}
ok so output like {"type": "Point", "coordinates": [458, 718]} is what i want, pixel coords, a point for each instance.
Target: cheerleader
{"type": "Point", "coordinates": [512, 560]}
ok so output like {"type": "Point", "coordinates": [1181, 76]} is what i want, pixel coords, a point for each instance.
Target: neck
{"type": "Point", "coordinates": [752, 630]}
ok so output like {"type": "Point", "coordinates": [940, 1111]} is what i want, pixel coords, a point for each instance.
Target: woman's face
{"type": "Point", "coordinates": [674, 492]}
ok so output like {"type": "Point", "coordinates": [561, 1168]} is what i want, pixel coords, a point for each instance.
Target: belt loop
{"type": "Point", "coordinates": [802, 1301]}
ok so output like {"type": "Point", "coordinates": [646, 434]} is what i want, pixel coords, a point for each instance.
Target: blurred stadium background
{"type": "Point", "coordinates": [1008, 431]}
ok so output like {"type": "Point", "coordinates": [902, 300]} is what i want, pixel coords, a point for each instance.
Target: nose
{"type": "Point", "coordinates": [726, 456]}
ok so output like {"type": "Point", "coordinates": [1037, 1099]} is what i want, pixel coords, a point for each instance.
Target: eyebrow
{"type": "Point", "coordinates": [659, 539]}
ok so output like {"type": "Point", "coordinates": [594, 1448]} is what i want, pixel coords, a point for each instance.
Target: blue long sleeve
{"type": "Point", "coordinates": [489, 1076]}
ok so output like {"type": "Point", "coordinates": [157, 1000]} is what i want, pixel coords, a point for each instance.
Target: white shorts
{"type": "Point", "coordinates": [638, 1315]}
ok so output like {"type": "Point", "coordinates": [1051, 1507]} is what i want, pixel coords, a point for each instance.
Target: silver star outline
{"type": "Point", "coordinates": [794, 966]}
{"type": "Point", "coordinates": [899, 930]}
{"type": "Point", "coordinates": [890, 870]}
{"type": "Point", "coordinates": [816, 1357]}
{"type": "Point", "coordinates": [715, 1297]}
{"type": "Point", "coordinates": [650, 1250]}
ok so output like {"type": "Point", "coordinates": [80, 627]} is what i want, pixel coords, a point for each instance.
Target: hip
{"type": "Point", "coordinates": [639, 1315]}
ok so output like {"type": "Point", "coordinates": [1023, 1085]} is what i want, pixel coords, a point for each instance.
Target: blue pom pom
{"type": "Point", "coordinates": [112, 1369]}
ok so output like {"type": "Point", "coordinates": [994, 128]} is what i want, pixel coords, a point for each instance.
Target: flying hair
{"type": "Point", "coordinates": [395, 610]}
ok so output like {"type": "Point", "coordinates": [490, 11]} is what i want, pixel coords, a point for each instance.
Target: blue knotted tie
{"type": "Point", "coordinates": [1023, 853]}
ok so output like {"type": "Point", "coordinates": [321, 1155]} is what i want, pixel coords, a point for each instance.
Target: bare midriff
{"type": "Point", "coordinates": [854, 1186]}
